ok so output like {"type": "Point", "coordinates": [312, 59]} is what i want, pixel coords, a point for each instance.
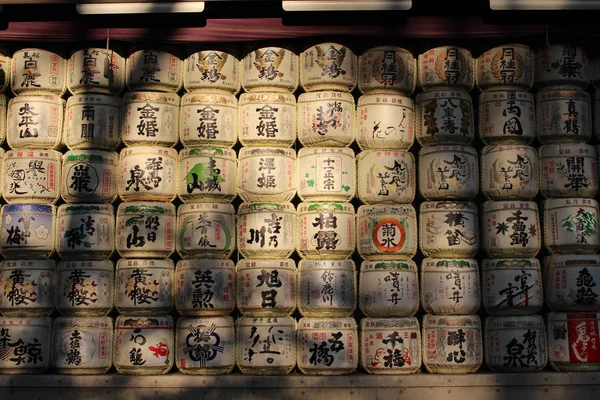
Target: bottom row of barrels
{"type": "Point", "coordinates": [318, 346]}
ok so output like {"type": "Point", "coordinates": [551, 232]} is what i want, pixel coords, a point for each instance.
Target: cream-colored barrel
{"type": "Point", "coordinates": [208, 119]}
{"type": "Point", "coordinates": [27, 229]}
{"type": "Point", "coordinates": [266, 230]}
{"type": "Point", "coordinates": [328, 66]}
{"type": "Point", "coordinates": [211, 70]}
{"type": "Point", "coordinates": [448, 229]}
{"type": "Point", "coordinates": [326, 174]}
{"type": "Point", "coordinates": [144, 345]}
{"type": "Point", "coordinates": [445, 117]}
{"type": "Point", "coordinates": [327, 288]}
{"type": "Point", "coordinates": [266, 174]}
{"type": "Point", "coordinates": [563, 115]}
{"type": "Point", "coordinates": [28, 345]}
{"type": "Point", "coordinates": [266, 345]}
{"type": "Point", "coordinates": [89, 176]}
{"type": "Point", "coordinates": [506, 67]}
{"type": "Point", "coordinates": [326, 119]}
{"type": "Point", "coordinates": [515, 343]}
{"type": "Point", "coordinates": [150, 119]}
{"type": "Point", "coordinates": [510, 229]}
{"type": "Point", "coordinates": [568, 170]}
{"type": "Point", "coordinates": [82, 346]}
{"type": "Point", "coordinates": [388, 288]}
{"type": "Point", "coordinates": [390, 346]}
{"type": "Point", "coordinates": [31, 176]}
{"type": "Point", "coordinates": [572, 341]}
{"type": "Point", "coordinates": [387, 69]}
{"type": "Point", "coordinates": [571, 226]}
{"type": "Point", "coordinates": [509, 172]}
{"type": "Point", "coordinates": [205, 287]}
{"type": "Point", "coordinates": [452, 344]}
{"type": "Point", "coordinates": [38, 71]}
{"type": "Point", "coordinates": [506, 117]}
{"type": "Point", "coordinates": [511, 286]}
{"type": "Point", "coordinates": [96, 70]}
{"type": "Point", "coordinates": [153, 69]}
{"type": "Point", "coordinates": [385, 121]}
{"type": "Point", "coordinates": [266, 288]}
{"type": "Point", "coordinates": [338, 335]}
{"type": "Point", "coordinates": [144, 287]}
{"type": "Point", "coordinates": [206, 230]}
{"type": "Point", "coordinates": [5, 72]}
{"type": "Point", "coordinates": [270, 69]}
{"type": "Point", "coordinates": [386, 176]}
{"type": "Point", "coordinates": [448, 172]}
{"type": "Point", "coordinates": [35, 121]}
{"type": "Point", "coordinates": [562, 65]}
{"type": "Point", "coordinates": [27, 288]}
{"type": "Point", "coordinates": [450, 286]}
{"type": "Point", "coordinates": [85, 288]}
{"type": "Point", "coordinates": [386, 231]}
{"type": "Point", "coordinates": [93, 121]}
{"type": "Point", "coordinates": [267, 119]}
{"type": "Point", "coordinates": [325, 230]}
{"type": "Point", "coordinates": [571, 282]}
{"type": "Point", "coordinates": [207, 175]}
{"type": "Point", "coordinates": [85, 231]}
{"type": "Point", "coordinates": [145, 230]}
{"type": "Point", "coordinates": [447, 67]}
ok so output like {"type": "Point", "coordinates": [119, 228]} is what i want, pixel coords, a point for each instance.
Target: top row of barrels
{"type": "Point", "coordinates": [325, 66]}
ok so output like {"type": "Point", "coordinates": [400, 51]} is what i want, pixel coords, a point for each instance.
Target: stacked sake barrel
{"type": "Point", "coordinates": [448, 227]}
{"type": "Point", "coordinates": [511, 277]}
{"type": "Point", "coordinates": [386, 235]}
{"type": "Point", "coordinates": [569, 183]}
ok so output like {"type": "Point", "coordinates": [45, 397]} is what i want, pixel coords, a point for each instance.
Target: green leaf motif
{"type": "Point", "coordinates": [346, 188]}
{"type": "Point", "coordinates": [502, 228]}
{"type": "Point", "coordinates": [311, 183]}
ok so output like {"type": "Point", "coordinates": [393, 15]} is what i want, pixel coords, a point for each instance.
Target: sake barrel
{"type": "Point", "coordinates": [328, 66]}
{"type": "Point", "coordinates": [388, 288]}
{"type": "Point", "coordinates": [562, 65]}
{"type": "Point", "coordinates": [509, 172]}
{"type": "Point", "coordinates": [326, 174]}
{"type": "Point", "coordinates": [327, 346]}
{"type": "Point", "coordinates": [267, 119]}
{"type": "Point", "coordinates": [93, 121]}
{"type": "Point", "coordinates": [385, 121]}
{"type": "Point", "coordinates": [213, 70]}
{"type": "Point", "coordinates": [27, 288]}
{"type": "Point", "coordinates": [568, 170]}
{"type": "Point", "coordinates": [89, 176]}
{"type": "Point", "coordinates": [27, 229]}
{"type": "Point", "coordinates": [96, 70]}
{"type": "Point", "coordinates": [85, 231]}
{"type": "Point", "coordinates": [5, 73]}
{"type": "Point", "coordinates": [207, 175]}
{"type": "Point", "coordinates": [150, 119]}
{"type": "Point", "coordinates": [386, 176]}
{"type": "Point", "coordinates": [506, 117]}
{"type": "Point", "coordinates": [511, 286]}
{"type": "Point", "coordinates": [266, 288]}
{"type": "Point", "coordinates": [82, 346]}
{"type": "Point", "coordinates": [448, 172]}
{"type": "Point", "coordinates": [445, 117]}
{"type": "Point", "coordinates": [31, 176]}
{"type": "Point", "coordinates": [144, 287]}
{"type": "Point", "coordinates": [563, 115]}
{"type": "Point", "coordinates": [205, 230]}
{"type": "Point", "coordinates": [266, 174]}
{"type": "Point", "coordinates": [147, 173]}
{"type": "Point", "coordinates": [515, 343]}
{"type": "Point", "coordinates": [35, 121]}
{"type": "Point", "coordinates": [266, 345]}
{"type": "Point", "coordinates": [143, 345]}
{"type": "Point", "coordinates": [386, 231]}
{"type": "Point", "coordinates": [38, 71]}
{"type": "Point", "coordinates": [571, 282]}
{"type": "Point", "coordinates": [154, 69]}
{"type": "Point", "coordinates": [326, 119]}
{"type": "Point", "coordinates": [205, 346]}
{"type": "Point", "coordinates": [85, 288]}
{"type": "Point", "coordinates": [266, 230]}
{"type": "Point", "coordinates": [511, 229]}
{"type": "Point", "coordinates": [571, 226]}
{"type": "Point", "coordinates": [387, 69]}
{"type": "Point", "coordinates": [270, 69]}
{"type": "Point", "coordinates": [3, 110]}
{"type": "Point", "coordinates": [390, 346]}
{"type": "Point", "coordinates": [26, 345]}
{"type": "Point", "coordinates": [509, 66]}
{"type": "Point", "coordinates": [208, 119]}
{"type": "Point", "coordinates": [325, 230]}
{"type": "Point", "coordinates": [205, 287]}
{"type": "Point", "coordinates": [572, 341]}
{"type": "Point", "coordinates": [452, 344]}
{"type": "Point", "coordinates": [446, 67]}
{"type": "Point", "coordinates": [145, 230]}
{"type": "Point", "coordinates": [448, 229]}
{"type": "Point", "coordinates": [327, 288]}
{"type": "Point", "coordinates": [450, 286]}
